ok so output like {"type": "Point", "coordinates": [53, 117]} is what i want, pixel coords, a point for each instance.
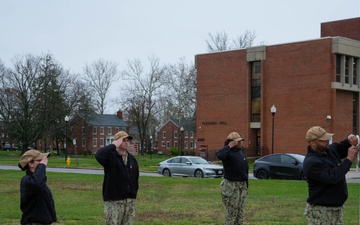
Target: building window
{"type": "Point", "coordinates": [191, 134]}
{"type": "Point", "coordinates": [83, 130]}
{"type": "Point", "coordinates": [191, 145]}
{"type": "Point", "coordinates": [338, 68]}
{"type": "Point", "coordinates": [175, 144]}
{"type": "Point", "coordinates": [163, 144]}
{"type": "Point", "coordinates": [185, 134]}
{"type": "Point", "coordinates": [109, 130]}
{"type": "Point", "coordinates": [83, 142]}
{"type": "Point", "coordinates": [94, 130]}
{"type": "Point", "coordinates": [116, 130]}
{"type": "Point", "coordinates": [164, 134]}
{"type": "Point", "coordinates": [356, 71]}
{"type": "Point", "coordinates": [255, 91]}
{"type": "Point", "coordinates": [167, 144]}
{"type": "Point", "coordinates": [101, 142]}
{"type": "Point", "coordinates": [347, 69]}
{"type": "Point", "coordinates": [186, 145]}
{"type": "Point", "coordinates": [102, 130]}
{"type": "Point", "coordinates": [175, 134]}
{"type": "Point", "coordinates": [355, 112]}
{"type": "Point", "coordinates": [109, 140]}
{"type": "Point", "coordinates": [94, 142]}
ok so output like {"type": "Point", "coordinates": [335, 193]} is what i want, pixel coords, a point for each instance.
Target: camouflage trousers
{"type": "Point", "coordinates": [321, 215]}
{"type": "Point", "coordinates": [234, 195]}
{"type": "Point", "coordinates": [120, 212]}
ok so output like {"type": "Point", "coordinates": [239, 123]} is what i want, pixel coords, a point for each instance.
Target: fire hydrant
{"type": "Point", "coordinates": [68, 161]}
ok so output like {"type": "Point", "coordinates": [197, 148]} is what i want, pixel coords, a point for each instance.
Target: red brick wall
{"type": "Point", "coordinates": [343, 115]}
{"type": "Point", "coordinates": [222, 98]}
{"type": "Point", "coordinates": [296, 78]}
{"type": "Point", "coordinates": [349, 28]}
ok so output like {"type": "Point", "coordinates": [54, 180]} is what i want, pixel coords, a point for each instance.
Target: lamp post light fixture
{"type": "Point", "coordinates": [181, 139]}
{"type": "Point", "coordinates": [65, 143]}
{"type": "Point", "coordinates": [273, 111]}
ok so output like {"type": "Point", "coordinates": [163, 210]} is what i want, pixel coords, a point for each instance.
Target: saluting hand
{"type": "Point", "coordinates": [232, 143]}
{"type": "Point", "coordinates": [44, 161]}
{"type": "Point", "coordinates": [117, 142]}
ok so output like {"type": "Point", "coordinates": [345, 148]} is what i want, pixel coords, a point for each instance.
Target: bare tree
{"type": "Point", "coordinates": [245, 40]}
{"type": "Point", "coordinates": [180, 91]}
{"type": "Point", "coordinates": [220, 42]}
{"type": "Point", "coordinates": [100, 75]}
{"type": "Point", "coordinates": [30, 98]}
{"type": "Point", "coordinates": [141, 97]}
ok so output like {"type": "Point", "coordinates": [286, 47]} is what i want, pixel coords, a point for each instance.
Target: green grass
{"type": "Point", "coordinates": [161, 200]}
{"type": "Point", "coordinates": [147, 163]}
{"type": "Point", "coordinates": [169, 200]}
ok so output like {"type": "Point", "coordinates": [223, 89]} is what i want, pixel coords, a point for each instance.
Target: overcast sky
{"type": "Point", "coordinates": [82, 31]}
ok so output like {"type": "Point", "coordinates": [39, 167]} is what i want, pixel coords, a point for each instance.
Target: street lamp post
{"type": "Point", "coordinates": [66, 123]}
{"type": "Point", "coordinates": [181, 139]}
{"type": "Point", "coordinates": [151, 147]}
{"type": "Point", "coordinates": [273, 111]}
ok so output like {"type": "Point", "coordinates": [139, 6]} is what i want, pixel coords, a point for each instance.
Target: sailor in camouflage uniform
{"type": "Point", "coordinates": [120, 186]}
{"type": "Point", "coordinates": [325, 167]}
{"type": "Point", "coordinates": [234, 186]}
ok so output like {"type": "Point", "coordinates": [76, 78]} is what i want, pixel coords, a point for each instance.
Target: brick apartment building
{"type": "Point", "coordinates": [94, 132]}
{"type": "Point", "coordinates": [313, 82]}
{"type": "Point", "coordinates": [177, 134]}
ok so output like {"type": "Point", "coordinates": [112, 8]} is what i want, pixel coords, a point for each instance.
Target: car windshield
{"type": "Point", "coordinates": [300, 158]}
{"type": "Point", "coordinates": [199, 160]}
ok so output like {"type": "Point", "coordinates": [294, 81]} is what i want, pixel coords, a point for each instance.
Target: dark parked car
{"type": "Point", "coordinates": [189, 166]}
{"type": "Point", "coordinates": [280, 166]}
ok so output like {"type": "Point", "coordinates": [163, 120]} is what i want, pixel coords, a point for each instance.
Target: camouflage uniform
{"type": "Point", "coordinates": [317, 215]}
{"type": "Point", "coordinates": [120, 212]}
{"type": "Point", "coordinates": [325, 167]}
{"type": "Point", "coordinates": [234, 195]}
{"type": "Point", "coordinates": [121, 182]}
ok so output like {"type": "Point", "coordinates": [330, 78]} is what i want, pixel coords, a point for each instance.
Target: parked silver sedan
{"type": "Point", "coordinates": [189, 166]}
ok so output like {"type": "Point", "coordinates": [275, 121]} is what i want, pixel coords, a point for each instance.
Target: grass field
{"type": "Point", "coordinates": [164, 200]}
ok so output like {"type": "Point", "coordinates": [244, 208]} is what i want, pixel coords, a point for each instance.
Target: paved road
{"type": "Point", "coordinates": [351, 176]}
{"type": "Point", "coordinates": [69, 170]}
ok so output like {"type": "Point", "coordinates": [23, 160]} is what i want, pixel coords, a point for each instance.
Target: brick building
{"type": "Point", "coordinates": [313, 82]}
{"type": "Point", "coordinates": [95, 131]}
{"type": "Point", "coordinates": [177, 134]}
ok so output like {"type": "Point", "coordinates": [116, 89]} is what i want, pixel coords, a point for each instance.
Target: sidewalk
{"type": "Point", "coordinates": [352, 174]}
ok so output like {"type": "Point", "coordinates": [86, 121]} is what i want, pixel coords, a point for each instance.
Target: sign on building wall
{"type": "Point", "coordinates": [203, 148]}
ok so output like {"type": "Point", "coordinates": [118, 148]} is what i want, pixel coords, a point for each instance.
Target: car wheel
{"type": "Point", "coordinates": [166, 173]}
{"type": "Point", "coordinates": [198, 174]}
{"type": "Point", "coordinates": [262, 174]}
